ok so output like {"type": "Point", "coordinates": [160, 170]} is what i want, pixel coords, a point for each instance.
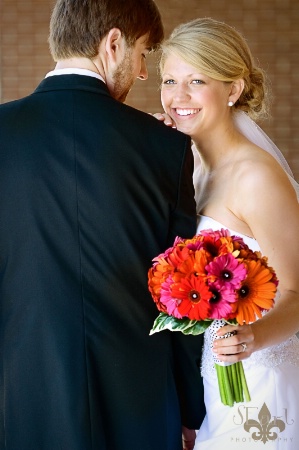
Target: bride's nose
{"type": "Point", "coordinates": [181, 92]}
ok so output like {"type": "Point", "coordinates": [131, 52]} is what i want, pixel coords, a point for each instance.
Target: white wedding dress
{"type": "Point", "coordinates": [271, 419]}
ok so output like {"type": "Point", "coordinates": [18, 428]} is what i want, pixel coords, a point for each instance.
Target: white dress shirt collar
{"type": "Point", "coordinates": [75, 71]}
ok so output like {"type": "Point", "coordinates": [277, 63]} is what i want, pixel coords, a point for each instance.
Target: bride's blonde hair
{"type": "Point", "coordinates": [220, 52]}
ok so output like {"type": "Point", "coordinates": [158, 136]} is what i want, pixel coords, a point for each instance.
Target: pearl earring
{"type": "Point", "coordinates": [230, 103]}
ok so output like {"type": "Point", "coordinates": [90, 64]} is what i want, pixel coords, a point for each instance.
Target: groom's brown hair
{"type": "Point", "coordinates": [78, 26]}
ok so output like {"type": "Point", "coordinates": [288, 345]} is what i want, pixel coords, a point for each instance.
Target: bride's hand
{"type": "Point", "coordinates": [236, 347]}
{"type": "Point", "coordinates": [163, 117]}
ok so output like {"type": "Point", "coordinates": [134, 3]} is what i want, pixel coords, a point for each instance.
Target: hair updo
{"type": "Point", "coordinates": [220, 52]}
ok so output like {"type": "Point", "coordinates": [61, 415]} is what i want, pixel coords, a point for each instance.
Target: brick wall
{"type": "Point", "coordinates": [270, 26]}
{"type": "Point", "coordinates": [24, 50]}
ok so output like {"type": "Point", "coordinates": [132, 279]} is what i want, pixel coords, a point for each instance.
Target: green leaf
{"type": "Point", "coordinates": [231, 322]}
{"type": "Point", "coordinates": [185, 325]}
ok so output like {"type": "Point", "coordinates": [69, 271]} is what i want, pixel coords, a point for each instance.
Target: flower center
{"type": "Point", "coordinates": [244, 291]}
{"type": "Point", "coordinates": [194, 296]}
{"type": "Point", "coordinates": [216, 297]}
{"type": "Point", "coordinates": [211, 248]}
{"type": "Point", "coordinates": [226, 275]}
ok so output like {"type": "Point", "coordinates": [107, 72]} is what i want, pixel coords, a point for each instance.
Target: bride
{"type": "Point", "coordinates": [211, 89]}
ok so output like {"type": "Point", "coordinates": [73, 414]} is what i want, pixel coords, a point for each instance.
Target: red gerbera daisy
{"type": "Point", "coordinates": [194, 295]}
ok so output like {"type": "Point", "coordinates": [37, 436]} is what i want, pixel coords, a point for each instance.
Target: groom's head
{"type": "Point", "coordinates": [115, 34]}
{"type": "Point", "coordinates": [78, 26]}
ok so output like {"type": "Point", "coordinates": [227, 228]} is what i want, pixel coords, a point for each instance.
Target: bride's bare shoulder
{"type": "Point", "coordinates": [255, 165]}
{"type": "Point", "coordinates": [257, 179]}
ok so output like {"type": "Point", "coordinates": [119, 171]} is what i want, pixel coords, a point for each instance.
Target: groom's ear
{"type": "Point", "coordinates": [115, 46]}
{"type": "Point", "coordinates": [236, 90]}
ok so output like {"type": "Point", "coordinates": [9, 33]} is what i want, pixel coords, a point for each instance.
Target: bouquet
{"type": "Point", "coordinates": [213, 278]}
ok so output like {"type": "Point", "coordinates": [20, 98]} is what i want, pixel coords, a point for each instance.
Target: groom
{"type": "Point", "coordinates": [91, 191]}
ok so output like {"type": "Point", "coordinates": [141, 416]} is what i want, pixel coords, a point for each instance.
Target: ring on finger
{"type": "Point", "coordinates": [244, 347]}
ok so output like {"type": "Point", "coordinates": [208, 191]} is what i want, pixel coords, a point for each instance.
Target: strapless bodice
{"type": "Point", "coordinates": [205, 223]}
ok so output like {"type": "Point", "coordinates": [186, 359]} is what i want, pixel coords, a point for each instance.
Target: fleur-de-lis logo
{"type": "Point", "coordinates": [264, 426]}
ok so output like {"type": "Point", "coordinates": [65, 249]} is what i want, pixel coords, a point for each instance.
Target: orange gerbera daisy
{"type": "Point", "coordinates": [195, 264]}
{"type": "Point", "coordinates": [184, 269]}
{"type": "Point", "coordinates": [256, 293]}
{"type": "Point", "coordinates": [178, 255]}
{"type": "Point", "coordinates": [156, 276]}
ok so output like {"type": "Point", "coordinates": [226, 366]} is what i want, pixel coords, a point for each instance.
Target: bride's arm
{"type": "Point", "coordinates": [268, 204]}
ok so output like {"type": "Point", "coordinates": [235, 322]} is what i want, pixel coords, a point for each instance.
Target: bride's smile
{"type": "Point", "coordinates": [186, 112]}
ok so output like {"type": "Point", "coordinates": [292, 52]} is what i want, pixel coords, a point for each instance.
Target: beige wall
{"type": "Point", "coordinates": [270, 26]}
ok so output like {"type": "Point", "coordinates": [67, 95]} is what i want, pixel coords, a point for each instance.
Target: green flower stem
{"type": "Point", "coordinates": [231, 370]}
{"type": "Point", "coordinates": [244, 383]}
{"type": "Point", "coordinates": [221, 384]}
{"type": "Point", "coordinates": [240, 390]}
{"type": "Point", "coordinates": [228, 371]}
{"type": "Point", "coordinates": [226, 393]}
{"type": "Point", "coordinates": [240, 383]}
{"type": "Point", "coordinates": [227, 383]}
{"type": "Point", "coordinates": [232, 384]}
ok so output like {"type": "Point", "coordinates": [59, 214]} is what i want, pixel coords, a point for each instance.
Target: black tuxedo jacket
{"type": "Point", "coordinates": [90, 191]}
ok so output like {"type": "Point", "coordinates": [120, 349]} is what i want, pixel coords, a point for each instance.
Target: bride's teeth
{"type": "Point", "coordinates": [186, 112]}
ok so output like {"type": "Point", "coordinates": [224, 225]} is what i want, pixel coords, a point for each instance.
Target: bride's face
{"type": "Point", "coordinates": [196, 102]}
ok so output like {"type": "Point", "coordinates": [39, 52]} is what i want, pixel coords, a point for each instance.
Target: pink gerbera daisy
{"type": "Point", "coordinates": [221, 301]}
{"type": "Point", "coordinates": [168, 300]}
{"type": "Point", "coordinates": [226, 271]}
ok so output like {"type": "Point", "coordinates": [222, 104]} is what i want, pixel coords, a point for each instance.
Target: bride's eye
{"type": "Point", "coordinates": [197, 82]}
{"type": "Point", "coordinates": [169, 82]}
